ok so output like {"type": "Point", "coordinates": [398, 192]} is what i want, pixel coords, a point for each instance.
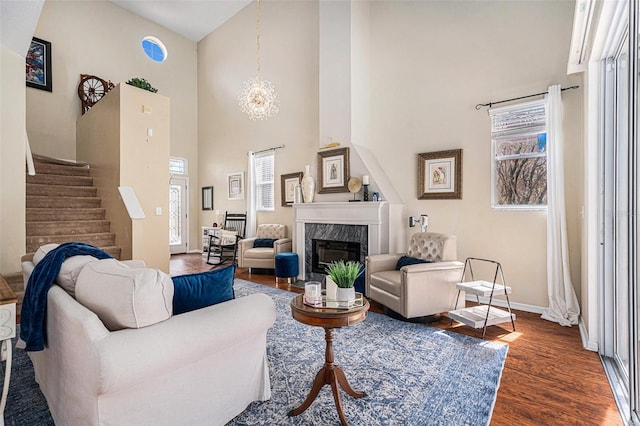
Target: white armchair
{"type": "Point", "coordinates": [263, 257]}
{"type": "Point", "coordinates": [419, 289]}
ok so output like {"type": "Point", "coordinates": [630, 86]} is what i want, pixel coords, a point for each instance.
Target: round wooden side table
{"type": "Point", "coordinates": [330, 374]}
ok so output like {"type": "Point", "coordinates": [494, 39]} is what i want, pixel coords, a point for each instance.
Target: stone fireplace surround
{"type": "Point", "coordinates": [332, 232]}
{"type": "Point", "coordinates": [327, 221]}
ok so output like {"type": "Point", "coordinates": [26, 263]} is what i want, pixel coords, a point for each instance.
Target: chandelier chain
{"type": "Point", "coordinates": [258, 97]}
{"type": "Point", "coordinates": [258, 35]}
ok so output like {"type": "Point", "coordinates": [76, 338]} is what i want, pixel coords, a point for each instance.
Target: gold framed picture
{"type": "Point", "coordinates": [440, 175]}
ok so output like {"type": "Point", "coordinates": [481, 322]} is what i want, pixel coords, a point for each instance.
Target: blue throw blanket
{"type": "Point", "coordinates": [33, 316]}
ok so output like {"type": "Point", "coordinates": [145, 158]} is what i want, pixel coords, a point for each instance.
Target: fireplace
{"type": "Point", "coordinates": [326, 251]}
{"type": "Point", "coordinates": [366, 224]}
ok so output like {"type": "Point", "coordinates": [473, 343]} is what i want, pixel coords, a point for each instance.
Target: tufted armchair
{"type": "Point", "coordinates": [263, 257]}
{"type": "Point", "coordinates": [420, 289]}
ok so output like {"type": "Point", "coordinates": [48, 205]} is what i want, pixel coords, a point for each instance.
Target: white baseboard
{"type": "Point", "coordinates": [588, 344]}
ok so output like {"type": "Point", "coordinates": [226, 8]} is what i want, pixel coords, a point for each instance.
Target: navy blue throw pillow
{"type": "Point", "coordinates": [406, 260]}
{"type": "Point", "coordinates": [263, 242]}
{"type": "Point", "coordinates": [195, 291]}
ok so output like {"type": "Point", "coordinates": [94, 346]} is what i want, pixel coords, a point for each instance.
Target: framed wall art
{"type": "Point", "coordinates": [440, 175]}
{"type": "Point", "coordinates": [38, 65]}
{"type": "Point", "coordinates": [207, 198]}
{"type": "Point", "coordinates": [288, 184]}
{"type": "Point", "coordinates": [333, 171]}
{"type": "Point", "coordinates": [235, 186]}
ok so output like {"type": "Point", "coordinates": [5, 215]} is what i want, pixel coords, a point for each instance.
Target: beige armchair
{"type": "Point", "coordinates": [263, 257]}
{"type": "Point", "coordinates": [420, 289]}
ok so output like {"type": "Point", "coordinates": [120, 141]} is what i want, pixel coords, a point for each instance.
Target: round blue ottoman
{"type": "Point", "coordinates": [286, 267]}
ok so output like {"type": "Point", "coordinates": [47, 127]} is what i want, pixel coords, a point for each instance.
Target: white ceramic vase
{"type": "Point", "coordinates": [297, 194]}
{"type": "Point", "coordinates": [346, 296]}
{"type": "Point", "coordinates": [308, 185]}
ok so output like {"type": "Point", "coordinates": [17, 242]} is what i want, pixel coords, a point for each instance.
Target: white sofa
{"type": "Point", "coordinates": [202, 367]}
{"type": "Point", "coordinates": [420, 289]}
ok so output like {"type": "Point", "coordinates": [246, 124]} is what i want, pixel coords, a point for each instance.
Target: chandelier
{"type": "Point", "coordinates": [258, 98]}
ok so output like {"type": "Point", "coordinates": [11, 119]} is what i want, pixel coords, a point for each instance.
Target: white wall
{"type": "Point", "coordinates": [12, 160]}
{"type": "Point", "coordinates": [100, 38]}
{"type": "Point", "coordinates": [226, 59]}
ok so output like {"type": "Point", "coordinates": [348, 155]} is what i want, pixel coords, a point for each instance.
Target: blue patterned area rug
{"type": "Point", "coordinates": [413, 374]}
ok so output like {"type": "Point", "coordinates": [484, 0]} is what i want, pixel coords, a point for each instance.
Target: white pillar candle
{"type": "Point", "coordinates": [365, 180]}
{"type": "Point", "coordinates": [313, 293]}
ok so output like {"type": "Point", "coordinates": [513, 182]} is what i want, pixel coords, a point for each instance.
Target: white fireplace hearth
{"type": "Point", "coordinates": [363, 222]}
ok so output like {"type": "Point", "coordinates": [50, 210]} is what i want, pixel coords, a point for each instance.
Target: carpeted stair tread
{"type": "Point", "coordinates": [64, 214]}
{"type": "Point", "coordinates": [61, 169]}
{"type": "Point", "coordinates": [99, 240]}
{"type": "Point", "coordinates": [60, 180]}
{"type": "Point", "coordinates": [61, 190]}
{"type": "Point", "coordinates": [68, 227]}
{"type": "Point", "coordinates": [40, 201]}
{"type": "Point", "coordinates": [41, 159]}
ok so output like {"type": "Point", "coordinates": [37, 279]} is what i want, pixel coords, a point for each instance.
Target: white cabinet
{"type": "Point", "coordinates": [206, 232]}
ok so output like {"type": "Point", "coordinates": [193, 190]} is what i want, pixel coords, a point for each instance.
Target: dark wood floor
{"type": "Point", "coordinates": [548, 379]}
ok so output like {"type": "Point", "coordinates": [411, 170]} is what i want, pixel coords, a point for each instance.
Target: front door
{"type": "Point", "coordinates": [178, 219]}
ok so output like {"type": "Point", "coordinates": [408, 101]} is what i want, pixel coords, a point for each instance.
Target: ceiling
{"type": "Point", "coordinates": [193, 19]}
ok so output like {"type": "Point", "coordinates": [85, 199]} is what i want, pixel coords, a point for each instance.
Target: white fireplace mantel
{"type": "Point", "coordinates": [375, 215]}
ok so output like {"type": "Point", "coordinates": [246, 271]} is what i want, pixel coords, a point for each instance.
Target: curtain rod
{"type": "Point", "coordinates": [490, 104]}
{"type": "Point", "coordinates": [273, 148]}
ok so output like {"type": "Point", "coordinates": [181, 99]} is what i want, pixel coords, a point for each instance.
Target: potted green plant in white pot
{"type": "Point", "coordinates": [344, 275]}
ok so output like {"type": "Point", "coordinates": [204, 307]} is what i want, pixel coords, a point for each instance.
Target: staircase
{"type": "Point", "coordinates": [62, 206]}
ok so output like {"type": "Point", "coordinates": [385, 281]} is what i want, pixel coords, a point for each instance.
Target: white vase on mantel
{"type": "Point", "coordinates": [308, 185]}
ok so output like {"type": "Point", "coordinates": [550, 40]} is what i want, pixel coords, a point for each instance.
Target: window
{"type": "Point", "coordinates": [264, 167]}
{"type": "Point", "coordinates": [154, 49]}
{"type": "Point", "coordinates": [177, 166]}
{"type": "Point", "coordinates": [519, 152]}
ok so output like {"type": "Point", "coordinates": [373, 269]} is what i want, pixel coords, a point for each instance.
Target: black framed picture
{"type": "Point", "coordinates": [207, 198]}
{"type": "Point", "coordinates": [38, 65]}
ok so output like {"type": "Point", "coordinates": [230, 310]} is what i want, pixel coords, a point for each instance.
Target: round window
{"type": "Point", "coordinates": [154, 49]}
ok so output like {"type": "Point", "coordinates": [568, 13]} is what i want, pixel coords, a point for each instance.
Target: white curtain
{"type": "Point", "coordinates": [251, 196]}
{"type": "Point", "coordinates": [563, 303]}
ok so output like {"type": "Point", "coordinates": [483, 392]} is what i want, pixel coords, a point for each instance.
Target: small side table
{"type": "Point", "coordinates": [329, 374]}
{"type": "Point", "coordinates": [7, 332]}
{"type": "Point", "coordinates": [482, 316]}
